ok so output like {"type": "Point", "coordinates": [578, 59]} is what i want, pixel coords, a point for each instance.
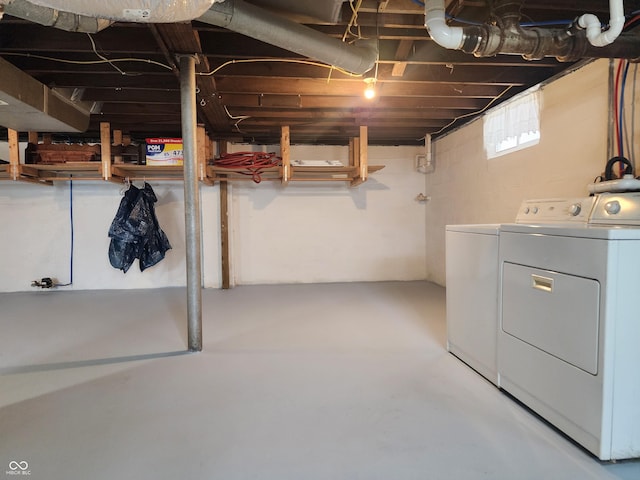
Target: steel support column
{"type": "Point", "coordinates": [191, 202]}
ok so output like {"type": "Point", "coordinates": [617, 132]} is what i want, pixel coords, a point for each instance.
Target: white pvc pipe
{"type": "Point", "coordinates": [440, 32]}
{"type": "Point", "coordinates": [592, 24]}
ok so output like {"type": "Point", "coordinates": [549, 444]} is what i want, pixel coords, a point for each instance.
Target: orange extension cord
{"type": "Point", "coordinates": [248, 163]}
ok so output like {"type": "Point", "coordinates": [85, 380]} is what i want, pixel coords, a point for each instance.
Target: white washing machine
{"type": "Point", "coordinates": [472, 296]}
{"type": "Point", "coordinates": [569, 336]}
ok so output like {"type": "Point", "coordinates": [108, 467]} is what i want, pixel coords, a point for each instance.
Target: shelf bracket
{"type": "Point", "coordinates": [360, 157]}
{"type": "Point", "coordinates": [105, 149]}
{"type": "Point", "coordinates": [285, 153]}
{"type": "Point", "coordinates": [14, 154]}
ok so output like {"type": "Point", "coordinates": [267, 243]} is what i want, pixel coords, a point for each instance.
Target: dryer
{"type": "Point", "coordinates": [569, 335]}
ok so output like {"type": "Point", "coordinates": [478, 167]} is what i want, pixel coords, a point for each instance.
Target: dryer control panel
{"type": "Point", "coordinates": [556, 210]}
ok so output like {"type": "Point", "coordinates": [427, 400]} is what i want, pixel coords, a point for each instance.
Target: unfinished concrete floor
{"type": "Point", "coordinates": [304, 382]}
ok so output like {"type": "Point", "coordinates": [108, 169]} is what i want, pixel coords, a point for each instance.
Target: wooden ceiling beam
{"type": "Point", "coordinates": [181, 38]}
{"type": "Point", "coordinates": [397, 113]}
{"type": "Point", "coordinates": [131, 96]}
{"type": "Point", "coordinates": [299, 86]}
{"type": "Point", "coordinates": [315, 101]}
{"type": "Point", "coordinates": [402, 53]}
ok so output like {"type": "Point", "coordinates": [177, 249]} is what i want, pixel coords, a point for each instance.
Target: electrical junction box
{"type": "Point", "coordinates": [164, 151]}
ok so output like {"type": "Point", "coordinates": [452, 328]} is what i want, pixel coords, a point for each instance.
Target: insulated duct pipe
{"type": "Point", "coordinates": [54, 18]}
{"type": "Point", "coordinates": [255, 22]}
{"type": "Point", "coordinates": [566, 44]}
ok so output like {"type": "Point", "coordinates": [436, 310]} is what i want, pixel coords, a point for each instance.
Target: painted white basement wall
{"type": "Point", "coordinates": [466, 187]}
{"type": "Point", "coordinates": [36, 236]}
{"type": "Point", "coordinates": [328, 232]}
{"type": "Point", "coordinates": [299, 233]}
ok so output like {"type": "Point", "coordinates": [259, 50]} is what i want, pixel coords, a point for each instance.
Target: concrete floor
{"type": "Point", "coordinates": [300, 382]}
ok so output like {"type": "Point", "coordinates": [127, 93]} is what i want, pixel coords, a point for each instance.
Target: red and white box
{"type": "Point", "coordinates": [164, 151]}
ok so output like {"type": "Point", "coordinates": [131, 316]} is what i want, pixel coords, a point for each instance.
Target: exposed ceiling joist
{"type": "Point", "coordinates": [131, 70]}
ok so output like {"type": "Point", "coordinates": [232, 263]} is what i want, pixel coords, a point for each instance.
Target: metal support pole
{"type": "Point", "coordinates": [191, 202]}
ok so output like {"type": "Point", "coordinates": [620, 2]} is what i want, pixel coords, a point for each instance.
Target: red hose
{"type": "Point", "coordinates": [248, 163]}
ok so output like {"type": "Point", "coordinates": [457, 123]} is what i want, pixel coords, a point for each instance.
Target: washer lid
{"type": "Point", "coordinates": [483, 228]}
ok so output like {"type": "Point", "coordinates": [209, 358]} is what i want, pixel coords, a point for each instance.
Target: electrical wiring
{"type": "Point", "coordinates": [623, 122]}
{"type": "Point", "coordinates": [631, 21]}
{"type": "Point", "coordinates": [277, 60]}
{"type": "Point", "coordinates": [353, 21]}
{"type": "Point", "coordinates": [616, 107]}
{"type": "Point", "coordinates": [102, 57]}
{"type": "Point", "coordinates": [239, 118]}
{"type": "Point", "coordinates": [632, 149]}
{"type": "Point", "coordinates": [477, 112]}
{"type": "Point", "coordinates": [87, 62]}
{"type": "Point", "coordinates": [624, 139]}
{"type": "Point", "coordinates": [248, 163]}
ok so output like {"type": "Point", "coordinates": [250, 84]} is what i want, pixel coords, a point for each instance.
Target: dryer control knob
{"type": "Point", "coordinates": [612, 207]}
{"type": "Point", "coordinates": [575, 209]}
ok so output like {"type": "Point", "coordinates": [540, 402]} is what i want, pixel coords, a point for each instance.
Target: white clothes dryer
{"type": "Point", "coordinates": [569, 336]}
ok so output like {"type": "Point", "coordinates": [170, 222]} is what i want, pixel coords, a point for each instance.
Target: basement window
{"type": "Point", "coordinates": [512, 126]}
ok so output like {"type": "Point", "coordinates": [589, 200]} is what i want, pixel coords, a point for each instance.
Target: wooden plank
{"type": "Point", "coordinates": [14, 154]}
{"type": "Point", "coordinates": [32, 137]}
{"type": "Point", "coordinates": [285, 153]}
{"type": "Point", "coordinates": [402, 53]}
{"type": "Point", "coordinates": [224, 229]}
{"type": "Point", "coordinates": [201, 152]}
{"type": "Point", "coordinates": [351, 151]}
{"type": "Point", "coordinates": [147, 172]}
{"type": "Point", "coordinates": [354, 154]}
{"type": "Point", "coordinates": [117, 140]}
{"type": "Point", "coordinates": [363, 170]}
{"type": "Point", "coordinates": [105, 149]}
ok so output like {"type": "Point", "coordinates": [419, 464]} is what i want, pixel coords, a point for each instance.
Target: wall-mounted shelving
{"type": "Point", "coordinates": [355, 172]}
{"type": "Point", "coordinates": [111, 167]}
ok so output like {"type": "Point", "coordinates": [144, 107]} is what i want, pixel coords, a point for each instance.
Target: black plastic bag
{"type": "Point", "coordinates": [135, 232]}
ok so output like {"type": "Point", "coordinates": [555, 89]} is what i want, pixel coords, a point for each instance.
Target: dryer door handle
{"type": "Point", "coordinates": [542, 283]}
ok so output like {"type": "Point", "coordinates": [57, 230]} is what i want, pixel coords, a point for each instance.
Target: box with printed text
{"type": "Point", "coordinates": [164, 151]}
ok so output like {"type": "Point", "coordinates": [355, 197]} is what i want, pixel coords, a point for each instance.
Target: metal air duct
{"type": "Point", "coordinates": [141, 11]}
{"type": "Point", "coordinates": [51, 17]}
{"type": "Point", "coordinates": [268, 27]}
{"type": "Point", "coordinates": [28, 105]}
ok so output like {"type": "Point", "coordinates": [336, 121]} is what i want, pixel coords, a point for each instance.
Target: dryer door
{"type": "Point", "coordinates": [554, 312]}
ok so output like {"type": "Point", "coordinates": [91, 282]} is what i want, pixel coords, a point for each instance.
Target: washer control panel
{"type": "Point", "coordinates": [556, 210]}
{"type": "Point", "coordinates": [616, 209]}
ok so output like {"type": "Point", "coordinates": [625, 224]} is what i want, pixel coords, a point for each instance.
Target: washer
{"type": "Point", "coordinates": [472, 296]}
{"type": "Point", "coordinates": [569, 336]}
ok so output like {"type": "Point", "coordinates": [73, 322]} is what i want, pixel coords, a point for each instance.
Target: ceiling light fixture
{"type": "Point", "coordinates": [370, 88]}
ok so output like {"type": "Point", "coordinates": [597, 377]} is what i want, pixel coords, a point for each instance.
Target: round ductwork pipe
{"type": "Point", "coordinates": [255, 22]}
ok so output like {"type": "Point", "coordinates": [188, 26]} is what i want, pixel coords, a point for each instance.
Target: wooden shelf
{"type": "Point", "coordinates": [5, 173]}
{"type": "Point", "coordinates": [111, 168]}
{"type": "Point", "coordinates": [224, 174]}
{"type": "Point", "coordinates": [63, 171]}
{"type": "Point", "coordinates": [123, 171]}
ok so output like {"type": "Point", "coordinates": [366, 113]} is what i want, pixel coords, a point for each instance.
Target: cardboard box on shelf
{"type": "Point", "coordinates": [164, 151]}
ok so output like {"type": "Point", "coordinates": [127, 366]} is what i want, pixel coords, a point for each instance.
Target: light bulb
{"type": "Point", "coordinates": [370, 89]}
